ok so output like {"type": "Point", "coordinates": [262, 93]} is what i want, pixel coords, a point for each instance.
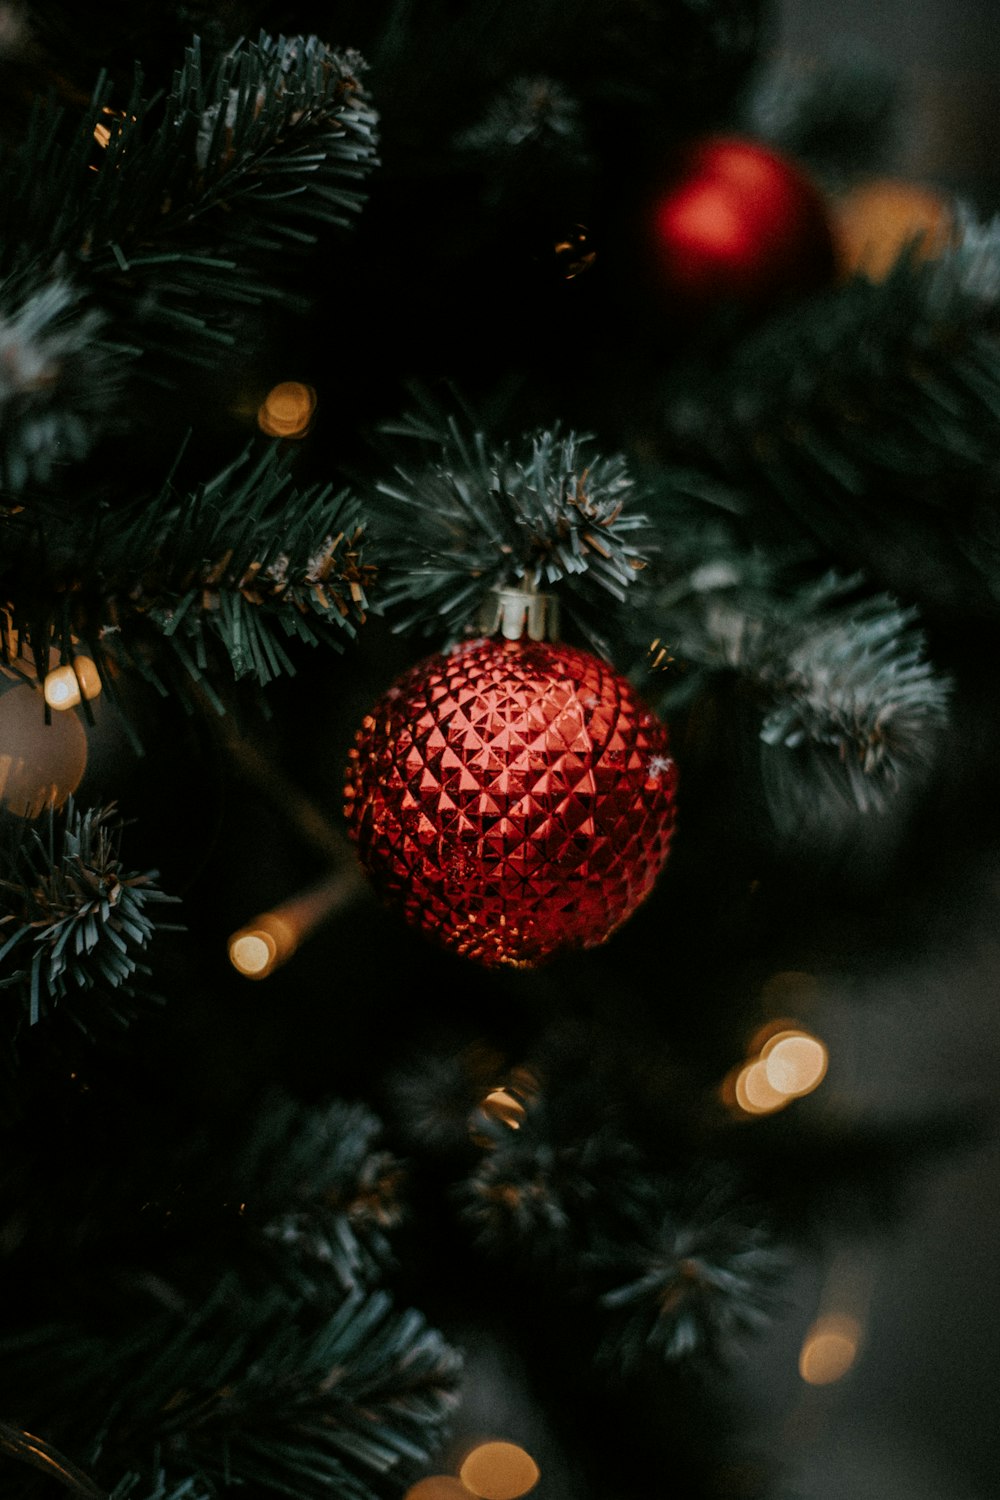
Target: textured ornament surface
{"type": "Point", "coordinates": [515, 799]}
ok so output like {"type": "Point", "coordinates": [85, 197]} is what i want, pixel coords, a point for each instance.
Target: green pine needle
{"type": "Point", "coordinates": [160, 222]}
{"type": "Point", "coordinates": [547, 511]}
{"type": "Point", "coordinates": [57, 380]}
{"type": "Point", "coordinates": [301, 1397]}
{"type": "Point", "coordinates": [73, 920]}
{"type": "Point", "coordinates": [867, 421]}
{"type": "Point", "coordinates": [699, 1273]}
{"type": "Point", "coordinates": [851, 707]}
{"type": "Point", "coordinates": [242, 564]}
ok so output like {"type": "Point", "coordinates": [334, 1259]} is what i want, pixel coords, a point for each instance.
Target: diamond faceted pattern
{"type": "Point", "coordinates": [514, 798]}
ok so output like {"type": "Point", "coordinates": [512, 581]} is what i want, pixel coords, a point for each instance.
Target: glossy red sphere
{"type": "Point", "coordinates": [738, 222]}
{"type": "Point", "coordinates": [515, 799]}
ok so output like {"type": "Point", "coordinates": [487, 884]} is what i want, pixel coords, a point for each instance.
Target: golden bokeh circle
{"type": "Point", "coordinates": [499, 1471]}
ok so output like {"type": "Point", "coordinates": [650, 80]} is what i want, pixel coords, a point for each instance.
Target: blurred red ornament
{"type": "Point", "coordinates": [514, 798]}
{"type": "Point", "coordinates": [738, 222]}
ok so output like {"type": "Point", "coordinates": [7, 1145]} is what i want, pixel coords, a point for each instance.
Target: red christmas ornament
{"type": "Point", "coordinates": [515, 798]}
{"type": "Point", "coordinates": [738, 222]}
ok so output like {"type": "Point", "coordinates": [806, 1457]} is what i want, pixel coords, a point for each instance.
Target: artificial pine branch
{"type": "Point", "coordinates": [240, 562]}
{"type": "Point", "coordinates": [683, 1262]}
{"type": "Point", "coordinates": [699, 1274]}
{"type": "Point", "coordinates": [73, 920]}
{"type": "Point", "coordinates": [840, 114]}
{"type": "Point", "coordinates": [546, 511]}
{"type": "Point", "coordinates": [249, 1386]}
{"type": "Point", "coordinates": [851, 708]}
{"type": "Point", "coordinates": [56, 381]}
{"type": "Point", "coordinates": [161, 215]}
{"type": "Point", "coordinates": [868, 419]}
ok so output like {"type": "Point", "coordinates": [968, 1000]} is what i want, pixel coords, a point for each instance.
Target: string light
{"type": "Point", "coordinates": [499, 1471]}
{"type": "Point", "coordinates": [830, 1349]}
{"type": "Point", "coordinates": [784, 1062]}
{"type": "Point", "coordinates": [795, 1063]}
{"type": "Point", "coordinates": [287, 410]}
{"type": "Point", "coordinates": [269, 940]}
{"type": "Point", "coordinates": [437, 1487]}
{"type": "Point", "coordinates": [754, 1093]}
{"type": "Point", "coordinates": [65, 685]}
{"type": "Point", "coordinates": [504, 1107]}
{"type": "Point", "coordinates": [88, 677]}
{"type": "Point", "coordinates": [253, 953]}
{"type": "Point", "coordinates": [504, 1104]}
{"type": "Point", "coordinates": [61, 688]}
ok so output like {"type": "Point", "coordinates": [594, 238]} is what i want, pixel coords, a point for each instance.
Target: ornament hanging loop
{"type": "Point", "coordinates": [518, 610]}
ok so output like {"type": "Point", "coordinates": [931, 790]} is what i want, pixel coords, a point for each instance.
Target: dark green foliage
{"type": "Point", "coordinates": [158, 214]}
{"type": "Point", "coordinates": [242, 562]}
{"type": "Point", "coordinates": [701, 1272]}
{"type": "Point", "coordinates": [865, 424]}
{"type": "Point", "coordinates": [249, 1385]}
{"type": "Point", "coordinates": [218, 1318]}
{"type": "Point", "coordinates": [850, 707]}
{"type": "Point", "coordinates": [57, 380]}
{"type": "Point", "coordinates": [323, 1190]}
{"type": "Point", "coordinates": [684, 1262]}
{"type": "Point", "coordinates": [244, 559]}
{"type": "Point", "coordinates": [74, 922]}
{"type": "Point", "coordinates": [839, 114]}
{"type": "Point", "coordinates": [548, 512]}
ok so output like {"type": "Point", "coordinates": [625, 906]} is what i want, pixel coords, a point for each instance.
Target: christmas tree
{"type": "Point", "coordinates": [500, 572]}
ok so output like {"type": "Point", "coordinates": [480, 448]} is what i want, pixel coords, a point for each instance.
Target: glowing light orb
{"type": "Point", "coordinates": [287, 410]}
{"type": "Point", "coordinates": [504, 1107]}
{"type": "Point", "coordinates": [795, 1063]}
{"type": "Point", "coordinates": [437, 1487]}
{"type": "Point", "coordinates": [61, 688]}
{"type": "Point", "coordinates": [499, 1471]}
{"type": "Point", "coordinates": [754, 1093]}
{"type": "Point", "coordinates": [830, 1349]}
{"type": "Point", "coordinates": [253, 953]}
{"type": "Point", "coordinates": [88, 677]}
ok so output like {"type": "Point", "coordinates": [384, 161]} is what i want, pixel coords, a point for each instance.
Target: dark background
{"type": "Point", "coordinates": [916, 1418]}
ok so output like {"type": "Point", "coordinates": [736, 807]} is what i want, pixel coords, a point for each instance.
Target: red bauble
{"type": "Point", "coordinates": [737, 222]}
{"type": "Point", "coordinates": [515, 798]}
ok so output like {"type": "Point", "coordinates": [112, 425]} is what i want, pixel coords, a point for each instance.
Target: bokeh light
{"type": "Point", "coordinates": [754, 1093]}
{"type": "Point", "coordinates": [287, 410]}
{"type": "Point", "coordinates": [253, 953]}
{"type": "Point", "coordinates": [504, 1107]}
{"type": "Point", "coordinates": [437, 1487]}
{"type": "Point", "coordinates": [88, 677]}
{"type": "Point", "coordinates": [830, 1349]}
{"type": "Point", "coordinates": [61, 688]}
{"type": "Point", "coordinates": [499, 1471]}
{"type": "Point", "coordinates": [795, 1063]}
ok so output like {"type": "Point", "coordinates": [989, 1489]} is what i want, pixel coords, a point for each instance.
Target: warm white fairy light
{"type": "Point", "coordinates": [88, 677]}
{"type": "Point", "coordinates": [61, 688]}
{"type": "Point", "coordinates": [287, 410]}
{"type": "Point", "coordinates": [795, 1063]}
{"type": "Point", "coordinates": [504, 1107]}
{"type": "Point", "coordinates": [499, 1471]}
{"type": "Point", "coordinates": [754, 1093]}
{"type": "Point", "coordinates": [252, 953]}
{"type": "Point", "coordinates": [437, 1487]}
{"type": "Point", "coordinates": [65, 685]}
{"type": "Point", "coordinates": [270, 939]}
{"type": "Point", "coordinates": [830, 1349]}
